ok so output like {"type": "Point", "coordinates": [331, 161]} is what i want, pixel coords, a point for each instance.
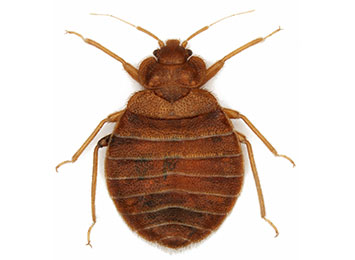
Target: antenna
{"type": "Point", "coordinates": [161, 43]}
{"type": "Point", "coordinates": [184, 43]}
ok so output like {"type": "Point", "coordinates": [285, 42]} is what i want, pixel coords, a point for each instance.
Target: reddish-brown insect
{"type": "Point", "coordinates": [174, 166]}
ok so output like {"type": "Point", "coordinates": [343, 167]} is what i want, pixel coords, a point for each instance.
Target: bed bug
{"type": "Point", "coordinates": [174, 165]}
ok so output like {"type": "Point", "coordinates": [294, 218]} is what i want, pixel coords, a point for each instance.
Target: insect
{"type": "Point", "coordinates": [174, 165]}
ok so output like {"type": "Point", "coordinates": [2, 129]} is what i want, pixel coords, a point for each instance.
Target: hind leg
{"type": "Point", "coordinates": [102, 143]}
{"type": "Point", "coordinates": [243, 140]}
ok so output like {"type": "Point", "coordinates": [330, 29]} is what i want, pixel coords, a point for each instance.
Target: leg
{"type": "Point", "coordinates": [243, 140]}
{"type": "Point", "coordinates": [102, 143]}
{"type": "Point", "coordinates": [132, 71]}
{"type": "Point", "coordinates": [111, 118]}
{"type": "Point", "coordinates": [232, 114]}
{"type": "Point", "coordinates": [211, 71]}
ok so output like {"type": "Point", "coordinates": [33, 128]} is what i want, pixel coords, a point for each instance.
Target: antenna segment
{"type": "Point", "coordinates": [184, 43]}
{"type": "Point", "coordinates": [161, 43]}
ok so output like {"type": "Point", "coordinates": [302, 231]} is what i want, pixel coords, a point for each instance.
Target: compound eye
{"type": "Point", "coordinates": [156, 53]}
{"type": "Point", "coordinates": [189, 52]}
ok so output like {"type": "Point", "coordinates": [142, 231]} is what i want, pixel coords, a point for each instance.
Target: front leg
{"type": "Point", "coordinates": [211, 71]}
{"type": "Point", "coordinates": [232, 114]}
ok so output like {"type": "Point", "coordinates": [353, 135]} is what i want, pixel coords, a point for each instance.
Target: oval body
{"type": "Point", "coordinates": [174, 170]}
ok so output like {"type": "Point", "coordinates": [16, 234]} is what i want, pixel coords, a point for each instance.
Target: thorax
{"type": "Point", "coordinates": [148, 104]}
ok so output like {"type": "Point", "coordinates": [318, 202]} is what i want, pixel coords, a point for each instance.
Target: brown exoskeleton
{"type": "Point", "coordinates": [174, 164]}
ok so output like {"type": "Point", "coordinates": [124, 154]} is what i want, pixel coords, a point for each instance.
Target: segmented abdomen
{"type": "Point", "coordinates": [174, 181]}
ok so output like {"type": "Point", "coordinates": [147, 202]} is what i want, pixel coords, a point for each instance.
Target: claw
{"type": "Point", "coordinates": [272, 224]}
{"type": "Point", "coordinates": [89, 231]}
{"type": "Point", "coordinates": [68, 161]}
{"type": "Point", "coordinates": [77, 34]}
{"type": "Point", "coordinates": [288, 158]}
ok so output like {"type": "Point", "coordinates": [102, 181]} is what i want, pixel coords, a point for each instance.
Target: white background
{"type": "Point", "coordinates": [296, 87]}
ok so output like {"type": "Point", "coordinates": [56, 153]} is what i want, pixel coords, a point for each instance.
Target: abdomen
{"type": "Point", "coordinates": [174, 180]}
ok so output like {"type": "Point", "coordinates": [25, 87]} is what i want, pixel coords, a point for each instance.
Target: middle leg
{"type": "Point", "coordinates": [232, 114]}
